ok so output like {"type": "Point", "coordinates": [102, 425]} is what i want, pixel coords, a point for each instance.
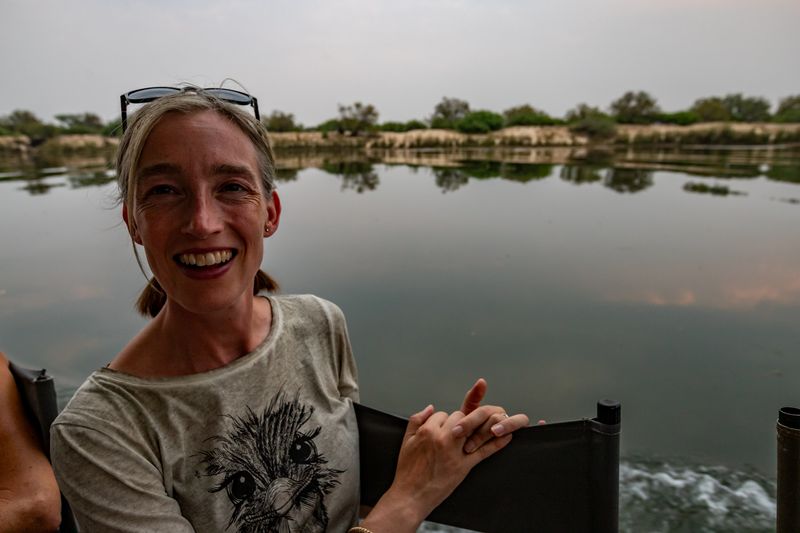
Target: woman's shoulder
{"type": "Point", "coordinates": [107, 399]}
{"type": "Point", "coordinates": [308, 307]}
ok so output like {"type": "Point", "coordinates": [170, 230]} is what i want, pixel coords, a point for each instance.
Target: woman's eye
{"type": "Point", "coordinates": [233, 187]}
{"type": "Point", "coordinates": [160, 189]}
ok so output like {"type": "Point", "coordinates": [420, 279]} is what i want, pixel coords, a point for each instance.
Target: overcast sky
{"type": "Point", "coordinates": [307, 56]}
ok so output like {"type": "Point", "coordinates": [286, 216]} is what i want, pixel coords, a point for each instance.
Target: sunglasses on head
{"type": "Point", "coordinates": [148, 94]}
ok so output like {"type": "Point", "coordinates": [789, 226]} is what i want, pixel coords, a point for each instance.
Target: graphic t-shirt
{"type": "Point", "coordinates": [266, 443]}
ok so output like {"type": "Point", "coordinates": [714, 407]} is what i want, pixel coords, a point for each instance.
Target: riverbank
{"type": "Point", "coordinates": [20, 151]}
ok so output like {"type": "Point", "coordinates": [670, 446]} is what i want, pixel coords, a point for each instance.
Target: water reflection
{"type": "Point", "coordinates": [38, 187]}
{"type": "Point", "coordinates": [625, 171]}
{"type": "Point", "coordinates": [359, 176]}
{"type": "Point", "coordinates": [628, 180]}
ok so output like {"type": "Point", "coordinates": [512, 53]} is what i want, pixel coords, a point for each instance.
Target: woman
{"type": "Point", "coordinates": [231, 410]}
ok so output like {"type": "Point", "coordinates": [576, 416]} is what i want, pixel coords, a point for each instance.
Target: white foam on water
{"type": "Point", "coordinates": [660, 496]}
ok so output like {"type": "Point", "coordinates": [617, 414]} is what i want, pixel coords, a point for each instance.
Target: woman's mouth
{"type": "Point", "coordinates": [207, 259]}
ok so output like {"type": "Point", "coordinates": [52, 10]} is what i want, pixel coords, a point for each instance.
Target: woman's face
{"type": "Point", "coordinates": [200, 211]}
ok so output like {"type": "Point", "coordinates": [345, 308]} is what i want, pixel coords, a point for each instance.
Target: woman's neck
{"type": "Point", "coordinates": [179, 342]}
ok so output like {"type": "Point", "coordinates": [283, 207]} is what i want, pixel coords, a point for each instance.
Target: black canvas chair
{"type": "Point", "coordinates": [554, 477]}
{"type": "Point", "coordinates": [38, 394]}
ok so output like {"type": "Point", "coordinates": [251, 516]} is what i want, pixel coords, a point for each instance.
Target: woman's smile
{"type": "Point", "coordinates": [202, 265]}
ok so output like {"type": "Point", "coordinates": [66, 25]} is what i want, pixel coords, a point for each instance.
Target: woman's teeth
{"type": "Point", "coordinates": [206, 259]}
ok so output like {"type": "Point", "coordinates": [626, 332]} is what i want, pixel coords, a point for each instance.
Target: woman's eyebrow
{"type": "Point", "coordinates": [159, 169]}
{"type": "Point", "coordinates": [228, 169]}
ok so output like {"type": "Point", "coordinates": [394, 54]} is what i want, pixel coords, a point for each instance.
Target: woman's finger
{"type": "Point", "coordinates": [474, 396]}
{"type": "Point", "coordinates": [496, 426]}
{"type": "Point", "coordinates": [416, 420]}
{"type": "Point", "coordinates": [485, 414]}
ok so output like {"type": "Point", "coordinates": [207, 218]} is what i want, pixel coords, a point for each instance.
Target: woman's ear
{"type": "Point", "coordinates": [131, 228]}
{"type": "Point", "coordinates": [273, 215]}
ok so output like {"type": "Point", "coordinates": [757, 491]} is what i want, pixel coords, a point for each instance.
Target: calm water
{"type": "Point", "coordinates": [579, 277]}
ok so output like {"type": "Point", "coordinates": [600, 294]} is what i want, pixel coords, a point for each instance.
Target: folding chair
{"type": "Point", "coordinates": [555, 477]}
{"type": "Point", "coordinates": [38, 394]}
{"type": "Point", "coordinates": [562, 476]}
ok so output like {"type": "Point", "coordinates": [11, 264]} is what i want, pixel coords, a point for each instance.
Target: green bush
{"type": "Point", "coordinates": [596, 127]}
{"type": "Point", "coordinates": [526, 115]}
{"type": "Point", "coordinates": [682, 118]}
{"type": "Point", "coordinates": [480, 122]}
{"type": "Point", "coordinates": [736, 107]}
{"type": "Point", "coordinates": [278, 121]}
{"type": "Point", "coordinates": [441, 123]}
{"type": "Point", "coordinates": [403, 126]}
{"type": "Point", "coordinates": [635, 108]}
{"type": "Point", "coordinates": [711, 109]}
{"type": "Point", "coordinates": [80, 123]}
{"type": "Point", "coordinates": [416, 125]}
{"type": "Point", "coordinates": [788, 110]}
{"type": "Point", "coordinates": [331, 125]}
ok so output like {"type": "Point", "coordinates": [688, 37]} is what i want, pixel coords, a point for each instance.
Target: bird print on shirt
{"type": "Point", "coordinates": [269, 467]}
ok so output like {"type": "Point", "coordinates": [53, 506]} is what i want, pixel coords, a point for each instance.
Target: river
{"type": "Point", "coordinates": [669, 281]}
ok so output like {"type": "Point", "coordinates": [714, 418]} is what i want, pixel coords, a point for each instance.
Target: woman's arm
{"type": "Point", "coordinates": [29, 497]}
{"type": "Point", "coordinates": [110, 484]}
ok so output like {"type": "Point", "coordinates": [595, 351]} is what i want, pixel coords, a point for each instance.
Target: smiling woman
{"type": "Point", "coordinates": [233, 409]}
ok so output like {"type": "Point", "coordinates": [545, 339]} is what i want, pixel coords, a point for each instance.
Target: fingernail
{"type": "Point", "coordinates": [458, 431]}
{"type": "Point", "coordinates": [498, 430]}
{"type": "Point", "coordinates": [470, 447]}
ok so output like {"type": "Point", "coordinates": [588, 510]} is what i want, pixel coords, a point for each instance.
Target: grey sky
{"type": "Point", "coordinates": [307, 56]}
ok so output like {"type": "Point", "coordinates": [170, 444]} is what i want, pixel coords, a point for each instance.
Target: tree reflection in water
{"type": "Point", "coordinates": [449, 179]}
{"type": "Point", "coordinates": [628, 180]}
{"type": "Point", "coordinates": [581, 174]}
{"type": "Point", "coordinates": [359, 176]}
{"type": "Point", "coordinates": [621, 169]}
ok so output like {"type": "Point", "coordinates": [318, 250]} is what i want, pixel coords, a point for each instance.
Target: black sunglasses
{"type": "Point", "coordinates": [148, 94]}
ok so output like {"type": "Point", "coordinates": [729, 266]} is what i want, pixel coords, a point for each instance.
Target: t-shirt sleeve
{"type": "Point", "coordinates": [348, 374]}
{"type": "Point", "coordinates": [343, 353]}
{"type": "Point", "coordinates": [110, 484]}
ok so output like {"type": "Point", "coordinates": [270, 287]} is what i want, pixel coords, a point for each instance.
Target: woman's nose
{"type": "Point", "coordinates": [203, 218]}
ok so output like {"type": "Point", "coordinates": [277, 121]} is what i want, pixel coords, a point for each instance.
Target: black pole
{"type": "Point", "coordinates": [788, 470]}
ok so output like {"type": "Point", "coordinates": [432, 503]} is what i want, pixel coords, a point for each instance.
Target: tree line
{"type": "Point", "coordinates": [633, 107]}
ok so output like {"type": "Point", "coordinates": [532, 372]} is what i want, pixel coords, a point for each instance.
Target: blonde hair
{"type": "Point", "coordinates": [141, 124]}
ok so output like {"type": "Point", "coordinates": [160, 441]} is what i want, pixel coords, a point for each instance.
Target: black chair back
{"type": "Point", "coordinates": [554, 477]}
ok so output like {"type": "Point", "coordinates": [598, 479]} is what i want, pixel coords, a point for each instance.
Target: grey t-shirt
{"type": "Point", "coordinates": [266, 443]}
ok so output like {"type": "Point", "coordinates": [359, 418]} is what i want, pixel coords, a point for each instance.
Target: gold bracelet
{"type": "Point", "coordinates": [358, 529]}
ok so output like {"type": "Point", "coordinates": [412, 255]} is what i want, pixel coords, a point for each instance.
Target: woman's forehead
{"type": "Point", "coordinates": [200, 135]}
{"type": "Point", "coordinates": [195, 123]}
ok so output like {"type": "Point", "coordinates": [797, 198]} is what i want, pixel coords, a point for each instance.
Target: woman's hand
{"type": "Point", "coordinates": [485, 422]}
{"type": "Point", "coordinates": [437, 453]}
{"type": "Point", "coordinates": [431, 465]}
